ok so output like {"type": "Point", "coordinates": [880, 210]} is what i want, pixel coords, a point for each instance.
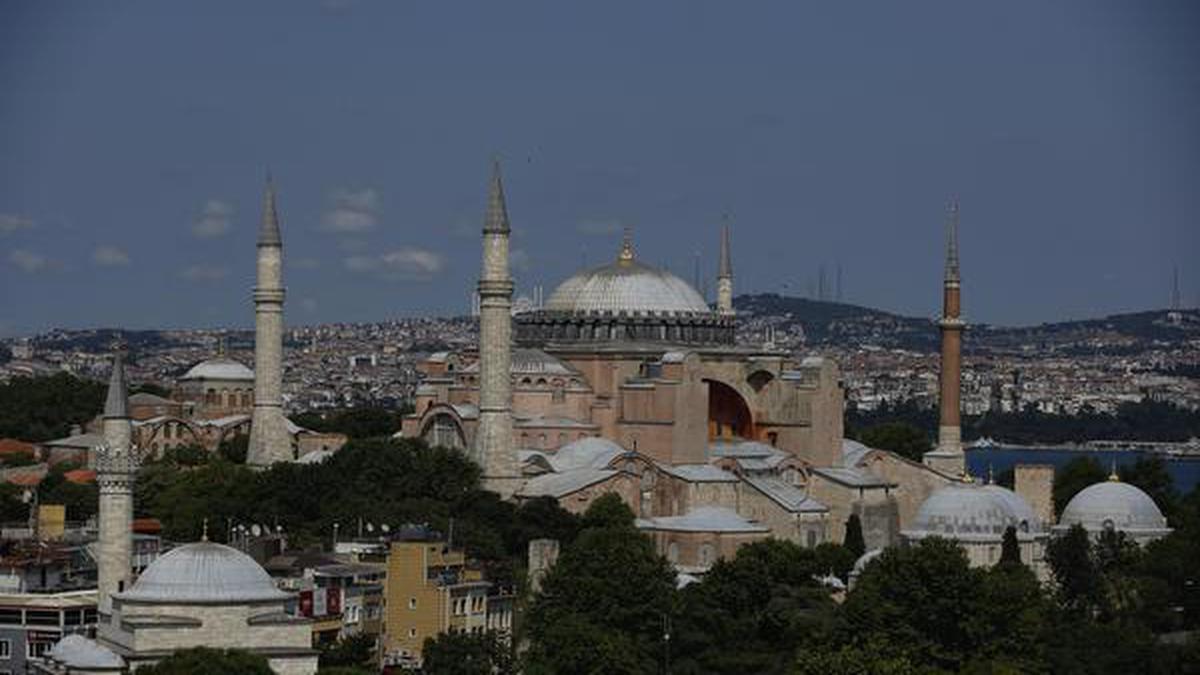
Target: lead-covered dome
{"type": "Point", "coordinates": [972, 511]}
{"type": "Point", "coordinates": [204, 572]}
{"type": "Point", "coordinates": [627, 304]}
{"type": "Point", "coordinates": [1114, 505]}
{"type": "Point", "coordinates": [627, 286]}
{"type": "Point", "coordinates": [219, 368]}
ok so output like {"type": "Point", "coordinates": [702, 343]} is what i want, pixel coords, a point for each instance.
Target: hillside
{"type": "Point", "coordinates": [845, 325]}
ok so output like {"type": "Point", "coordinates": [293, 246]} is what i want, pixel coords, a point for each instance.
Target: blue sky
{"type": "Point", "coordinates": [135, 136]}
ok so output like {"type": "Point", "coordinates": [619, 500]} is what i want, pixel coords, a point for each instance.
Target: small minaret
{"type": "Point", "coordinates": [948, 457]}
{"type": "Point", "coordinates": [493, 449]}
{"type": "Point", "coordinates": [116, 467]}
{"type": "Point", "coordinates": [269, 438]}
{"type": "Point", "coordinates": [725, 274]}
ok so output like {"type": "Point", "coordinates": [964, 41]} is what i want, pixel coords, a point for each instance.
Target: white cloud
{"type": "Point", "coordinates": [204, 273]}
{"type": "Point", "coordinates": [109, 256]}
{"type": "Point", "coordinates": [403, 264]}
{"type": "Point", "coordinates": [599, 228]}
{"type": "Point", "coordinates": [10, 222]}
{"type": "Point", "coordinates": [352, 211]}
{"type": "Point", "coordinates": [213, 220]}
{"type": "Point", "coordinates": [28, 261]}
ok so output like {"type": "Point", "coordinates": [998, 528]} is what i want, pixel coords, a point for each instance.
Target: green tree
{"type": "Point", "coordinates": [234, 449]}
{"type": "Point", "coordinates": [603, 606]}
{"type": "Point", "coordinates": [751, 613]}
{"type": "Point", "coordinates": [354, 650]}
{"type": "Point", "coordinates": [1078, 580]}
{"type": "Point", "coordinates": [916, 603]}
{"type": "Point", "coordinates": [467, 654]}
{"type": "Point", "coordinates": [854, 536]}
{"type": "Point", "coordinates": [44, 408]}
{"type": "Point", "coordinates": [902, 438]}
{"type": "Point", "coordinates": [206, 661]}
{"type": "Point", "coordinates": [81, 500]}
{"type": "Point", "coordinates": [1010, 549]}
{"type": "Point", "coordinates": [828, 659]}
{"type": "Point", "coordinates": [835, 559]}
{"type": "Point", "coordinates": [1009, 621]}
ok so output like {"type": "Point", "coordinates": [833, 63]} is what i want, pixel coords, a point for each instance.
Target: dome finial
{"type": "Point", "coordinates": [1112, 473]}
{"type": "Point", "coordinates": [991, 475]}
{"type": "Point", "coordinates": [626, 255]}
{"type": "Point", "coordinates": [204, 532]}
{"type": "Point", "coordinates": [221, 346]}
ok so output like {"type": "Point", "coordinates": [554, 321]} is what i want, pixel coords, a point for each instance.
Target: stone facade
{"type": "Point", "coordinates": [1035, 484]}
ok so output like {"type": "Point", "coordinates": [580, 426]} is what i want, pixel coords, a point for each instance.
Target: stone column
{"type": "Point", "coordinates": [270, 441]}
{"type": "Point", "coordinates": [116, 470]}
{"type": "Point", "coordinates": [493, 447]}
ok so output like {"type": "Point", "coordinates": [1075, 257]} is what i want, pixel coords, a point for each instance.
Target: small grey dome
{"type": "Point", "coordinates": [1116, 505]}
{"type": "Point", "coordinates": [219, 368]}
{"type": "Point", "coordinates": [79, 653]}
{"type": "Point", "coordinates": [969, 510]}
{"type": "Point", "coordinates": [586, 453]}
{"type": "Point", "coordinates": [204, 572]}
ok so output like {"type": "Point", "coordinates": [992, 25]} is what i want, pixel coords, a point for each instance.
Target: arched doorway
{"type": "Point", "coordinates": [728, 415]}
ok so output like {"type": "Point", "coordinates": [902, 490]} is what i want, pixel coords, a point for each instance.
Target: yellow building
{"type": "Point", "coordinates": [430, 590]}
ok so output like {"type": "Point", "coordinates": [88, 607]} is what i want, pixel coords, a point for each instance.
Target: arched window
{"type": "Point", "coordinates": [706, 555]}
{"type": "Point", "coordinates": [673, 553]}
{"type": "Point", "coordinates": [210, 397]}
{"type": "Point", "coordinates": [444, 431]}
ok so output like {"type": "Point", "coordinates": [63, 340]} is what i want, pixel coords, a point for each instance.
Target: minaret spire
{"type": "Point", "coordinates": [948, 457]}
{"type": "Point", "coordinates": [268, 231]}
{"type": "Point", "coordinates": [270, 440]}
{"type": "Point", "coordinates": [493, 446]}
{"type": "Point", "coordinates": [116, 403]}
{"type": "Point", "coordinates": [952, 242]}
{"type": "Point", "coordinates": [725, 272]}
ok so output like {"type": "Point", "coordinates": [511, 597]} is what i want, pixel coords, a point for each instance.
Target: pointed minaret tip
{"type": "Point", "coordinates": [952, 241]}
{"type": "Point", "coordinates": [496, 220]}
{"type": "Point", "coordinates": [725, 269]}
{"type": "Point", "coordinates": [268, 232]}
{"type": "Point", "coordinates": [116, 403]}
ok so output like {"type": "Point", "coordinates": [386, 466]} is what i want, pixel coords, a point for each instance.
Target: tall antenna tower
{"type": "Point", "coordinates": [1175, 301]}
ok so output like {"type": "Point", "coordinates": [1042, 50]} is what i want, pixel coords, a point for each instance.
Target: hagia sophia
{"type": "Point", "coordinates": [624, 381]}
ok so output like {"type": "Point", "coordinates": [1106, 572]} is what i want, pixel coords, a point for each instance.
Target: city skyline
{"type": "Point", "coordinates": [831, 136]}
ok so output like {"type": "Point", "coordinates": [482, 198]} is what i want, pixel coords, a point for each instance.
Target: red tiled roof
{"type": "Point", "coordinates": [26, 479]}
{"type": "Point", "coordinates": [80, 476]}
{"type": "Point", "coordinates": [11, 445]}
{"type": "Point", "coordinates": [147, 525]}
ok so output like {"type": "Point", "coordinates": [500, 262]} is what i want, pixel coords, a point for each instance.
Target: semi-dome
{"type": "Point", "coordinates": [1114, 505]}
{"type": "Point", "coordinates": [206, 573]}
{"type": "Point", "coordinates": [80, 654]}
{"type": "Point", "coordinates": [626, 286]}
{"type": "Point", "coordinates": [219, 368]}
{"type": "Point", "coordinates": [969, 510]}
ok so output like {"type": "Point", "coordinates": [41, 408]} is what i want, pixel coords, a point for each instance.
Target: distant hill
{"type": "Point", "coordinates": [840, 324]}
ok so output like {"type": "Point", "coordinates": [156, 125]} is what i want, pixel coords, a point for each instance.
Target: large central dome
{"type": "Point", "coordinates": [625, 305]}
{"type": "Point", "coordinates": [626, 286]}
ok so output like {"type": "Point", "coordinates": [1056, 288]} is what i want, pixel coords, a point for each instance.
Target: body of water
{"type": "Point", "coordinates": [1185, 472]}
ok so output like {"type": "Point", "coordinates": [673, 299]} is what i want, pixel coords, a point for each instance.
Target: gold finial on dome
{"type": "Point", "coordinates": [1112, 473]}
{"type": "Point", "coordinates": [626, 255]}
{"type": "Point", "coordinates": [204, 532]}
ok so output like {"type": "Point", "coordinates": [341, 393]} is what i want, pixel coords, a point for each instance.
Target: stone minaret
{"type": "Point", "coordinates": [269, 438]}
{"type": "Point", "coordinates": [725, 275]}
{"type": "Point", "coordinates": [116, 466]}
{"type": "Point", "coordinates": [948, 457]}
{"type": "Point", "coordinates": [493, 439]}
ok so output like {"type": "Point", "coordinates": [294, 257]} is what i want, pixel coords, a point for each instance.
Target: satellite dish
{"type": "Point", "coordinates": [256, 530]}
{"type": "Point", "coordinates": [279, 529]}
{"type": "Point", "coordinates": [370, 527]}
{"type": "Point", "coordinates": [386, 528]}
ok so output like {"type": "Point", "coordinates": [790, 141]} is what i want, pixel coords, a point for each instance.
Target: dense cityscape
{"type": "Point", "coordinates": [601, 467]}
